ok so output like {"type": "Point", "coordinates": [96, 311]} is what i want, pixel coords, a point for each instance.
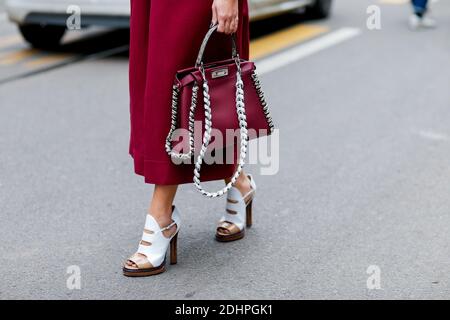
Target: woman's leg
{"type": "Point", "coordinates": [161, 206]}
{"type": "Point", "coordinates": [242, 183]}
{"type": "Point", "coordinates": [420, 7]}
{"type": "Point", "coordinates": [420, 18]}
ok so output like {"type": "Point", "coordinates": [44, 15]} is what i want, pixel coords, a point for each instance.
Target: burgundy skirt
{"type": "Point", "coordinates": [165, 37]}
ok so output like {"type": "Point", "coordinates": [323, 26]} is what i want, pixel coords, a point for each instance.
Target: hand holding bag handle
{"type": "Point", "coordinates": [208, 35]}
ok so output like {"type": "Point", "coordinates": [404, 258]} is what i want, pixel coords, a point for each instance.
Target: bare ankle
{"type": "Point", "coordinates": [162, 215]}
{"type": "Point", "coordinates": [243, 185]}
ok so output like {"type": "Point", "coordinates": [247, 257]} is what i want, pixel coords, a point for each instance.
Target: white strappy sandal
{"type": "Point", "coordinates": [150, 258]}
{"type": "Point", "coordinates": [238, 214]}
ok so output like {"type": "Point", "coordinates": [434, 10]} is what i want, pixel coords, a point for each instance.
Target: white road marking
{"type": "Point", "coordinates": [294, 54]}
{"type": "Point", "coordinates": [436, 136]}
{"type": "Point", "coordinates": [394, 1]}
{"type": "Point", "coordinates": [401, 1]}
{"type": "Point", "coordinates": [3, 17]}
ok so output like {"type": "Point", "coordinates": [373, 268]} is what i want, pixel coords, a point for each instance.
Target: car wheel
{"type": "Point", "coordinates": [43, 37]}
{"type": "Point", "coordinates": [320, 9]}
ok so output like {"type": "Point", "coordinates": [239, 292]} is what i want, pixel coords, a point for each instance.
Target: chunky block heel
{"type": "Point", "coordinates": [238, 214]}
{"type": "Point", "coordinates": [248, 209]}
{"type": "Point", "coordinates": [173, 249]}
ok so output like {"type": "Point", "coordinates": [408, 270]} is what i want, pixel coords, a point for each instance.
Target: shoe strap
{"type": "Point", "coordinates": [168, 227]}
{"type": "Point", "coordinates": [252, 185]}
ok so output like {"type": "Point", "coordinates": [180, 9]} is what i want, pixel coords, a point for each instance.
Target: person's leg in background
{"type": "Point", "coordinates": [420, 17]}
{"type": "Point", "coordinates": [420, 7]}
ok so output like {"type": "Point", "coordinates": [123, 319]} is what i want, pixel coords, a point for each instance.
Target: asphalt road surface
{"type": "Point", "coordinates": [363, 180]}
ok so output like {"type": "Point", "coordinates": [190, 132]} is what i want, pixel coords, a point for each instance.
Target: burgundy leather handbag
{"type": "Point", "coordinates": [231, 98]}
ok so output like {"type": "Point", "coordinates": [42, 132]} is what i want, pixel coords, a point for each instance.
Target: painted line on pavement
{"type": "Point", "coordinates": [46, 59]}
{"type": "Point", "coordinates": [299, 52]}
{"type": "Point", "coordinates": [283, 39]}
{"type": "Point", "coordinates": [433, 135]}
{"type": "Point", "coordinates": [18, 56]}
{"type": "Point", "coordinates": [394, 1]}
{"type": "Point", "coordinates": [70, 60]}
{"type": "Point", "coordinates": [8, 41]}
{"type": "Point", "coordinates": [261, 47]}
{"type": "Point", "coordinates": [3, 17]}
{"type": "Point", "coordinates": [401, 2]}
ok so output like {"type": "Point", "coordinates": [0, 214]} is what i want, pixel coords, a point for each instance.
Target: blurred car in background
{"type": "Point", "coordinates": [43, 22]}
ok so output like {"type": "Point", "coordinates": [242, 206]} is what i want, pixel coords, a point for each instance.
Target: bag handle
{"type": "Point", "coordinates": [208, 35]}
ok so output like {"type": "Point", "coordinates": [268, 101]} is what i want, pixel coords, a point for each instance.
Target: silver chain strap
{"type": "Point", "coordinates": [240, 110]}
{"type": "Point", "coordinates": [262, 99]}
{"type": "Point", "coordinates": [173, 125]}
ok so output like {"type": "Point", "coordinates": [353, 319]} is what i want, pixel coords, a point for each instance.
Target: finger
{"type": "Point", "coordinates": [225, 26]}
{"type": "Point", "coordinates": [222, 25]}
{"type": "Point", "coordinates": [214, 15]}
{"type": "Point", "coordinates": [230, 25]}
{"type": "Point", "coordinates": [235, 25]}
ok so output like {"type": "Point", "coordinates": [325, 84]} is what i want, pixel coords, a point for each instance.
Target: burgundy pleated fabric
{"type": "Point", "coordinates": [165, 37]}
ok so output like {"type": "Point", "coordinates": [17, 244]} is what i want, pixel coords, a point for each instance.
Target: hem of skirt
{"type": "Point", "coordinates": [168, 173]}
